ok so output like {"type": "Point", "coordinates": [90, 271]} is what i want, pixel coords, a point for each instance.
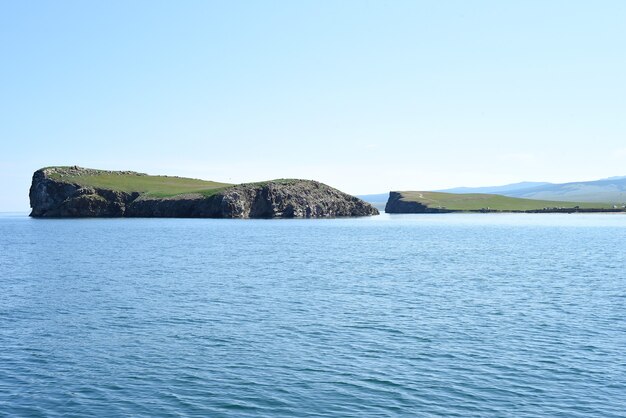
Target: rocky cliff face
{"type": "Point", "coordinates": [51, 196]}
{"type": "Point", "coordinates": [397, 204]}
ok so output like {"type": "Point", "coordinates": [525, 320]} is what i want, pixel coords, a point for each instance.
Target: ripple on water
{"type": "Point", "coordinates": [409, 315]}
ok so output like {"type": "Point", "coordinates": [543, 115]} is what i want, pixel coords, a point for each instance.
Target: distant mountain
{"type": "Point", "coordinates": [495, 189]}
{"type": "Point", "coordinates": [610, 190]}
{"type": "Point", "coordinates": [377, 200]}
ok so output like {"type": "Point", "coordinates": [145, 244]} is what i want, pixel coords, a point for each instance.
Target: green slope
{"type": "Point", "coordinates": [128, 181]}
{"type": "Point", "coordinates": [479, 201]}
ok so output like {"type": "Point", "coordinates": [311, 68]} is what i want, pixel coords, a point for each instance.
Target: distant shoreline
{"type": "Point", "coordinates": [439, 202]}
{"type": "Point", "coordinates": [568, 211]}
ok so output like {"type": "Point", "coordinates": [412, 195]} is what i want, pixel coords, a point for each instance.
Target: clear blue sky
{"type": "Point", "coordinates": [366, 96]}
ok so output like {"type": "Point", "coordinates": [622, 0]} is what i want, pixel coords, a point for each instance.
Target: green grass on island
{"type": "Point", "coordinates": [478, 202]}
{"type": "Point", "coordinates": [157, 186]}
{"type": "Point", "coordinates": [148, 185]}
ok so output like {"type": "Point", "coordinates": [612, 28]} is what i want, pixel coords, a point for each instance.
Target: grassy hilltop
{"type": "Point", "coordinates": [491, 202]}
{"type": "Point", "coordinates": [130, 181]}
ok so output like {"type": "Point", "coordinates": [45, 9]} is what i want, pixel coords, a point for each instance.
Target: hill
{"type": "Point", "coordinates": [434, 202]}
{"type": "Point", "coordinates": [612, 190]}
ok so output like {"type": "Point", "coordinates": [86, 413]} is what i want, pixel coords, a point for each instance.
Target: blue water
{"type": "Point", "coordinates": [405, 315]}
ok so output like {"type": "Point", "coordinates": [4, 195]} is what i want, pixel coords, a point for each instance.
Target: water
{"type": "Point", "coordinates": [405, 315]}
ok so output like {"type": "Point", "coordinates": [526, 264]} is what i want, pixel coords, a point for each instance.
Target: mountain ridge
{"type": "Point", "coordinates": [607, 190]}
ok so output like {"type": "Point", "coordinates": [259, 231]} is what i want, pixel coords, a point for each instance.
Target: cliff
{"type": "Point", "coordinates": [79, 192]}
{"type": "Point", "coordinates": [398, 203]}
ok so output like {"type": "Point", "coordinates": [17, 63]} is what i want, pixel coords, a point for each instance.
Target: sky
{"type": "Point", "coordinates": [366, 96]}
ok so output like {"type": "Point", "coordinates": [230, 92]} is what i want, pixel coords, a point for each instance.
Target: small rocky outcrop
{"type": "Point", "coordinates": [54, 194]}
{"type": "Point", "coordinates": [398, 204]}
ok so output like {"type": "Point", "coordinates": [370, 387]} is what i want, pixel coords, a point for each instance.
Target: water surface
{"type": "Point", "coordinates": [397, 315]}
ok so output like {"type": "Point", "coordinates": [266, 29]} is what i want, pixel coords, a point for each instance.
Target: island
{"type": "Point", "coordinates": [439, 202]}
{"type": "Point", "coordinates": [83, 192]}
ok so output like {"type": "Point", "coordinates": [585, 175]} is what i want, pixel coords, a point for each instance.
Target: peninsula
{"type": "Point", "coordinates": [439, 202]}
{"type": "Point", "coordinates": [82, 192]}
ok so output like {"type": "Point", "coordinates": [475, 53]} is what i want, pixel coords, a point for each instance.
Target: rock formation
{"type": "Point", "coordinates": [397, 204]}
{"type": "Point", "coordinates": [53, 193]}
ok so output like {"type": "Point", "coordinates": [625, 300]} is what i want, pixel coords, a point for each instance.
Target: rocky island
{"type": "Point", "coordinates": [82, 192]}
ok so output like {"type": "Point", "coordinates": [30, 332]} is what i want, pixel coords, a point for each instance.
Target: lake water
{"type": "Point", "coordinates": [398, 315]}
